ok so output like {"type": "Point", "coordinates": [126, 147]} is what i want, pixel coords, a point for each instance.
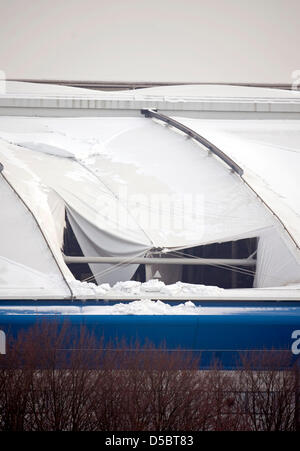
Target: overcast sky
{"type": "Point", "coordinates": [151, 40]}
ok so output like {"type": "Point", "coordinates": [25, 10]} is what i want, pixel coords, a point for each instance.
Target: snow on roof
{"type": "Point", "coordinates": [215, 91]}
{"type": "Point", "coordinates": [85, 165]}
{"type": "Point", "coordinates": [190, 92]}
{"type": "Point", "coordinates": [217, 100]}
{"type": "Point", "coordinates": [143, 307]}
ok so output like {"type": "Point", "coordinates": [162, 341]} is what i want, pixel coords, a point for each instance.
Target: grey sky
{"type": "Point", "coordinates": [151, 40]}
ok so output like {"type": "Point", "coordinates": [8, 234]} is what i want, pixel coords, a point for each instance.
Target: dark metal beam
{"type": "Point", "coordinates": [162, 261]}
{"type": "Point", "coordinates": [188, 131]}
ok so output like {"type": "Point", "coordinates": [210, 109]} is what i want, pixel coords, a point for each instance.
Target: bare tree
{"type": "Point", "coordinates": [56, 378]}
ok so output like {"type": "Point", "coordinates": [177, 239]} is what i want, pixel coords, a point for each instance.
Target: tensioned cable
{"type": "Point", "coordinates": [128, 261]}
{"type": "Point", "coordinates": [180, 254]}
{"type": "Point", "coordinates": [229, 267]}
{"type": "Point", "coordinates": [113, 268]}
{"type": "Point", "coordinates": [232, 268]}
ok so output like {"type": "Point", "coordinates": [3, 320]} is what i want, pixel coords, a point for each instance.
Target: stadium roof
{"type": "Point", "coordinates": [131, 186]}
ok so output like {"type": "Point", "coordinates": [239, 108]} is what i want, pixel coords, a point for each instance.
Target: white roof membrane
{"type": "Point", "coordinates": [132, 184]}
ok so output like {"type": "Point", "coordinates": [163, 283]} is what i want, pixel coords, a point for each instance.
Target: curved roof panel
{"type": "Point", "coordinates": [133, 185]}
{"type": "Point", "coordinates": [140, 173]}
{"type": "Point", "coordinates": [269, 153]}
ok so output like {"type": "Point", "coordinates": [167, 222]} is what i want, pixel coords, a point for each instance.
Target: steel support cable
{"type": "Point", "coordinates": [227, 266]}
{"type": "Point", "coordinates": [234, 268]}
{"type": "Point", "coordinates": [132, 260]}
{"type": "Point", "coordinates": [114, 267]}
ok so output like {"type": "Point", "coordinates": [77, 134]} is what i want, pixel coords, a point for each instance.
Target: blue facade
{"type": "Point", "coordinates": [228, 331]}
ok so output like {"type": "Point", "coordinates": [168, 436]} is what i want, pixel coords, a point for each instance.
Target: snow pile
{"type": "Point", "coordinates": [88, 289]}
{"type": "Point", "coordinates": [140, 307]}
{"type": "Point", "coordinates": [157, 286]}
{"type": "Point", "coordinates": [129, 287]}
{"type": "Point", "coordinates": [133, 288]}
{"type": "Point", "coordinates": [146, 307]}
{"type": "Point", "coordinates": [188, 288]}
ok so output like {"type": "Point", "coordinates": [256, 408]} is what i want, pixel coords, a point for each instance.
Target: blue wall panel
{"type": "Point", "coordinates": [221, 336]}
